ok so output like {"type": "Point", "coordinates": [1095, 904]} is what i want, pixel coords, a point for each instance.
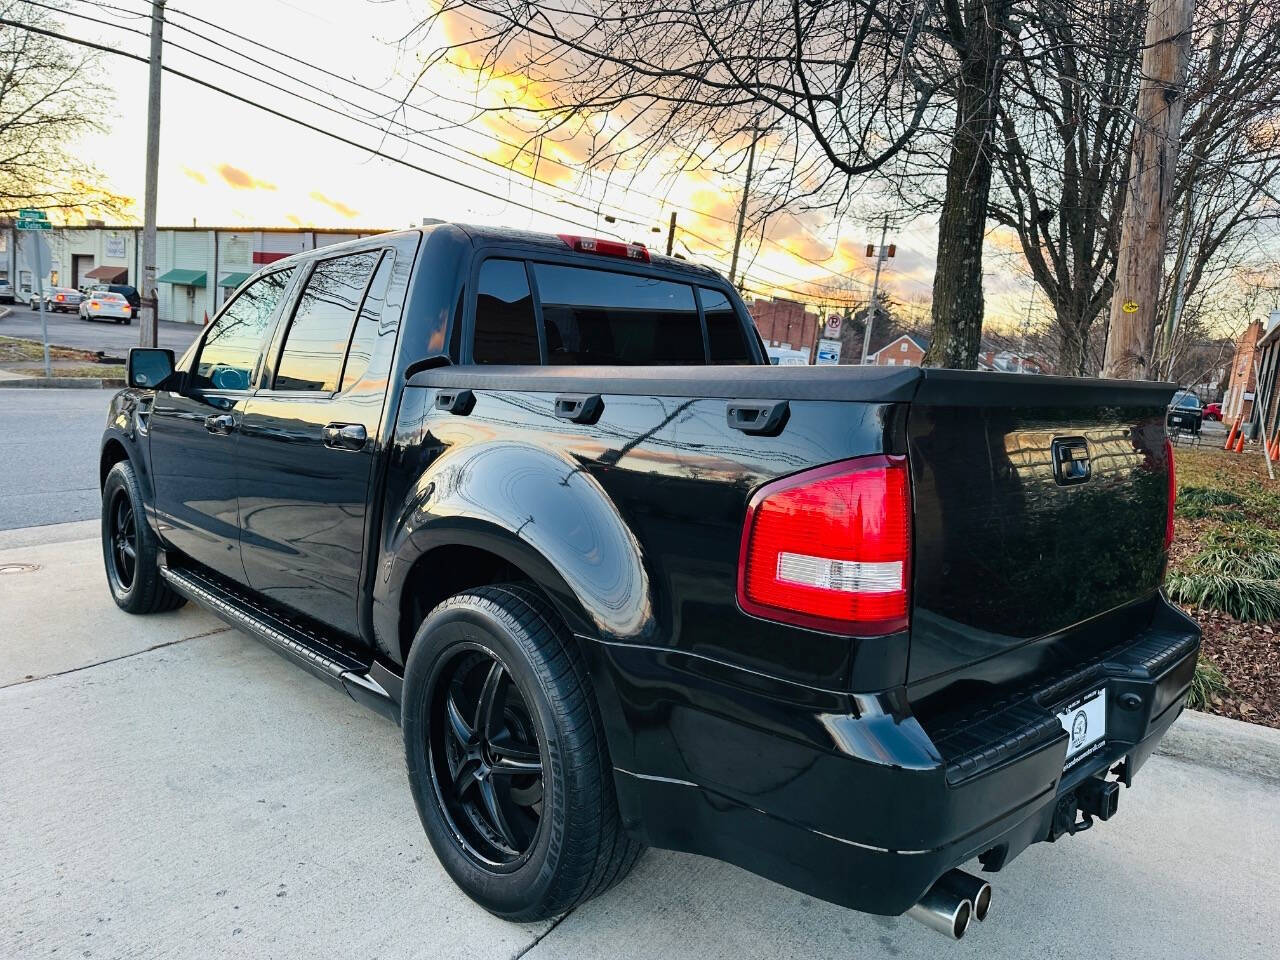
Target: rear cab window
{"type": "Point", "coordinates": [529, 312]}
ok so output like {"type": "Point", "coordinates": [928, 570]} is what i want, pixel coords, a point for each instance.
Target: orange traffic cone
{"type": "Point", "coordinates": [1240, 443]}
{"type": "Point", "coordinates": [206, 318]}
{"type": "Point", "coordinates": [1231, 434]}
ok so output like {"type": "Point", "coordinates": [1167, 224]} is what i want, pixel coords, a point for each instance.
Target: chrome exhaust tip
{"type": "Point", "coordinates": [976, 890]}
{"type": "Point", "coordinates": [941, 910]}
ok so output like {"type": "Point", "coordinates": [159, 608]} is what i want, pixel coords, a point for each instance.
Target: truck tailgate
{"type": "Point", "coordinates": [1022, 565]}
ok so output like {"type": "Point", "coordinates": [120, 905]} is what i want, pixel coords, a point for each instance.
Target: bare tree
{"type": "Point", "coordinates": [50, 96]}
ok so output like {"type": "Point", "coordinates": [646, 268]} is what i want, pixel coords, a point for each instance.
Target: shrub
{"type": "Point", "coordinates": [1243, 597]}
{"type": "Point", "coordinates": [1196, 502]}
{"type": "Point", "coordinates": [1206, 684]}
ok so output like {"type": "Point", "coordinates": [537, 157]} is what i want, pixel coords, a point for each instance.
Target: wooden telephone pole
{"type": "Point", "coordinates": [1149, 198]}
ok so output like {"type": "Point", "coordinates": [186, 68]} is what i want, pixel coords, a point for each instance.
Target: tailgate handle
{"type": "Point", "coordinates": [579, 407]}
{"type": "Point", "coordinates": [757, 417]}
{"type": "Point", "coordinates": [1071, 460]}
{"type": "Point", "coordinates": [459, 402]}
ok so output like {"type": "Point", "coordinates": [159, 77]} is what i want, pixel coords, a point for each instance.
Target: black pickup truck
{"type": "Point", "coordinates": [543, 501]}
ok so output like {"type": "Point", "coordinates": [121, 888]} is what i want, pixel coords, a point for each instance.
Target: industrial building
{"type": "Point", "coordinates": [197, 268]}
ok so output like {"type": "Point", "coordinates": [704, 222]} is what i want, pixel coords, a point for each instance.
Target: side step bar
{"type": "Point", "coordinates": [364, 683]}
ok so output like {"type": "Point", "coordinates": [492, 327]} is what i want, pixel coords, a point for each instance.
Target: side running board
{"type": "Point", "coordinates": [365, 683]}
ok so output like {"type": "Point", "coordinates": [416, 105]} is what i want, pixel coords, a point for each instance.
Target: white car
{"type": "Point", "coordinates": [104, 305]}
{"type": "Point", "coordinates": [6, 292]}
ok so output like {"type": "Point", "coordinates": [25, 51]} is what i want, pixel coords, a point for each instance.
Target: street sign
{"type": "Point", "coordinates": [833, 324]}
{"type": "Point", "coordinates": [34, 225]}
{"type": "Point", "coordinates": [828, 353]}
{"type": "Point", "coordinates": [29, 213]}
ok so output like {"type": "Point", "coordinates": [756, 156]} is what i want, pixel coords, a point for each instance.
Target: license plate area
{"type": "Point", "coordinates": [1085, 720]}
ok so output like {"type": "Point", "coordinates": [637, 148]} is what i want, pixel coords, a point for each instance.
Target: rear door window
{"type": "Point", "coordinates": [506, 326]}
{"type": "Point", "coordinates": [236, 338]}
{"type": "Point", "coordinates": [726, 340]}
{"type": "Point", "coordinates": [594, 317]}
{"type": "Point", "coordinates": [316, 341]}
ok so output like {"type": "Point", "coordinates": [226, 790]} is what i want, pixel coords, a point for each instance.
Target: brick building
{"type": "Point", "coordinates": [1241, 389]}
{"type": "Point", "coordinates": [906, 350]}
{"type": "Point", "coordinates": [1268, 390]}
{"type": "Point", "coordinates": [785, 323]}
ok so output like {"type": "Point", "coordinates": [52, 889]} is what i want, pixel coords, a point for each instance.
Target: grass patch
{"type": "Point", "coordinates": [17, 349]}
{"type": "Point", "coordinates": [89, 371]}
{"type": "Point", "coordinates": [1207, 684]}
{"type": "Point", "coordinates": [1195, 503]}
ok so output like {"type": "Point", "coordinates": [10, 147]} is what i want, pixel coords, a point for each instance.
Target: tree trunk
{"type": "Point", "coordinates": [1134, 300]}
{"type": "Point", "coordinates": [957, 285]}
{"type": "Point", "coordinates": [1073, 345]}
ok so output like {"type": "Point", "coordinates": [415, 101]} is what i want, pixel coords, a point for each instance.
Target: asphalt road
{"type": "Point", "coordinates": [50, 465]}
{"type": "Point", "coordinates": [172, 789]}
{"type": "Point", "coordinates": [68, 330]}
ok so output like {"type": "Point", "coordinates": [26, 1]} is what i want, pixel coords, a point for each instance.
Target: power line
{"type": "Point", "coordinates": [404, 104]}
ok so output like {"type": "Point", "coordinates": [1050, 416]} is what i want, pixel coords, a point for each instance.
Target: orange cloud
{"type": "Point", "coordinates": [239, 179]}
{"type": "Point", "coordinates": [195, 175]}
{"type": "Point", "coordinates": [336, 205]}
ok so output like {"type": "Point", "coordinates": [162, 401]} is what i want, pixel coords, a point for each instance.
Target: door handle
{"type": "Point", "coordinates": [220, 424]}
{"type": "Point", "coordinates": [757, 417]}
{"type": "Point", "coordinates": [579, 407]}
{"type": "Point", "coordinates": [345, 436]}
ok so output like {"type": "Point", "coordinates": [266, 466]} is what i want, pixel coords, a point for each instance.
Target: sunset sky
{"type": "Point", "coordinates": [225, 163]}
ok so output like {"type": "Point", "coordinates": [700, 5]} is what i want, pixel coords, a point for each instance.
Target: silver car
{"type": "Point", "coordinates": [59, 300]}
{"type": "Point", "coordinates": [105, 305]}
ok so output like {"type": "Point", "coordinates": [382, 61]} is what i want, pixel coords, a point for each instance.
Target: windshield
{"type": "Point", "coordinates": [1186, 400]}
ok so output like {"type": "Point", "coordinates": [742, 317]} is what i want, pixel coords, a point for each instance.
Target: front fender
{"type": "Point", "coordinates": [126, 433]}
{"type": "Point", "coordinates": [544, 514]}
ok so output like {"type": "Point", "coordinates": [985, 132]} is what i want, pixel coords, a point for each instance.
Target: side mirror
{"type": "Point", "coordinates": [148, 367]}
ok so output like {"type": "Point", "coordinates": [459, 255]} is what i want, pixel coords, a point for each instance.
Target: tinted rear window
{"type": "Point", "coordinates": [606, 317]}
{"type": "Point", "coordinates": [725, 336]}
{"type": "Point", "coordinates": [506, 328]}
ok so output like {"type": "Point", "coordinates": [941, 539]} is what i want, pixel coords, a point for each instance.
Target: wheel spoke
{"type": "Point", "coordinates": [468, 776]}
{"type": "Point", "coordinates": [492, 697]}
{"type": "Point", "coordinates": [127, 549]}
{"type": "Point", "coordinates": [513, 758]}
{"type": "Point", "coordinates": [497, 817]}
{"type": "Point", "coordinates": [458, 725]}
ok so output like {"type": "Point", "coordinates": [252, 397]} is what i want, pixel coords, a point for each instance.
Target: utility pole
{"type": "Point", "coordinates": [742, 207]}
{"type": "Point", "coordinates": [671, 234]}
{"type": "Point", "coordinates": [875, 291]}
{"type": "Point", "coordinates": [1166, 50]}
{"type": "Point", "coordinates": [149, 328]}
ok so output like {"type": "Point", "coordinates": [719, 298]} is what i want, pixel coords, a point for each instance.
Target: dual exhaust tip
{"type": "Point", "coordinates": [951, 904]}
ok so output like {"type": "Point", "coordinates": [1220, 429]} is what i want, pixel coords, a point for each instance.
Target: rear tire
{"type": "Point", "coordinates": [130, 551]}
{"type": "Point", "coordinates": [494, 688]}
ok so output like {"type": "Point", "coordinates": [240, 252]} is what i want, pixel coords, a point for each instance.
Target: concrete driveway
{"type": "Point", "coordinates": [169, 788]}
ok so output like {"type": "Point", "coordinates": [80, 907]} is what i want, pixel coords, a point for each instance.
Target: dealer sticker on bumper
{"type": "Point", "coordinates": [1085, 720]}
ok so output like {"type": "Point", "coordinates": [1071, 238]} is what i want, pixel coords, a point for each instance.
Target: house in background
{"type": "Point", "coordinates": [1257, 354]}
{"type": "Point", "coordinates": [904, 350]}
{"type": "Point", "coordinates": [785, 324]}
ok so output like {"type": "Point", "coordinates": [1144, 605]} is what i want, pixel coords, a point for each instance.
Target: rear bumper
{"type": "Point", "coordinates": [848, 798]}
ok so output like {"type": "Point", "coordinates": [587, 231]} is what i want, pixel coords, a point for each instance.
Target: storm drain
{"type": "Point", "coordinates": [19, 567]}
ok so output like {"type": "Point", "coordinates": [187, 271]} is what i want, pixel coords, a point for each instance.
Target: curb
{"type": "Point", "coordinates": [62, 383]}
{"type": "Point", "coordinates": [1237, 747]}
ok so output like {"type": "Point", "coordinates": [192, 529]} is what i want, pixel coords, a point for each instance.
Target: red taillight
{"type": "Point", "coordinates": [1173, 495]}
{"type": "Point", "coordinates": [606, 248]}
{"type": "Point", "coordinates": [830, 548]}
{"type": "Point", "coordinates": [60, 297]}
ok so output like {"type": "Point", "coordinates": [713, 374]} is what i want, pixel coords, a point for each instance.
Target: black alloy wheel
{"type": "Point", "coordinates": [123, 558]}
{"type": "Point", "coordinates": [486, 766]}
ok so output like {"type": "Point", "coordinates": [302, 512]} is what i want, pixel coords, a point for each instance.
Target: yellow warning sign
{"type": "Point", "coordinates": [1129, 306]}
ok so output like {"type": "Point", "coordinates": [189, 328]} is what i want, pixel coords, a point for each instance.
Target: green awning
{"type": "Point", "coordinates": [191, 278]}
{"type": "Point", "coordinates": [233, 279]}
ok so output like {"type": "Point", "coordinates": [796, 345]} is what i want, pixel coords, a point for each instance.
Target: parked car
{"type": "Point", "coordinates": [6, 292]}
{"type": "Point", "coordinates": [129, 292]}
{"type": "Point", "coordinates": [105, 305]}
{"type": "Point", "coordinates": [1184, 413]}
{"type": "Point", "coordinates": [544, 502]}
{"type": "Point", "coordinates": [59, 300]}
{"type": "Point", "coordinates": [1212, 411]}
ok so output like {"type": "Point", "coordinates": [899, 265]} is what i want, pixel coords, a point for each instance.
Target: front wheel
{"type": "Point", "coordinates": [506, 756]}
{"type": "Point", "coordinates": [130, 551]}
